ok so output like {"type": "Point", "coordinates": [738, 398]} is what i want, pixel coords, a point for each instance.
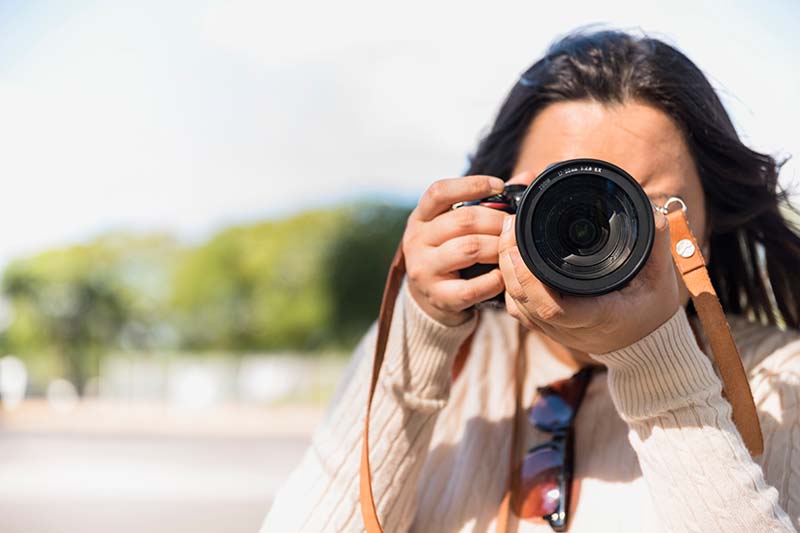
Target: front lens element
{"type": "Point", "coordinates": [585, 227]}
{"type": "Point", "coordinates": [582, 233]}
{"type": "Point", "coordinates": [582, 229]}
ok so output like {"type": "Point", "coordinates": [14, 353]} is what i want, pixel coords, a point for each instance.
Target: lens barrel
{"type": "Point", "coordinates": [585, 227]}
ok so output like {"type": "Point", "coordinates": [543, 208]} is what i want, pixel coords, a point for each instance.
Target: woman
{"type": "Point", "coordinates": [655, 448]}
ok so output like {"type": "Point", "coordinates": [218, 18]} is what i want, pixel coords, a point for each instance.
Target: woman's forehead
{"type": "Point", "coordinates": [635, 136]}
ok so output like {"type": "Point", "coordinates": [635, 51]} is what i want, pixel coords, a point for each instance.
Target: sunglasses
{"type": "Point", "coordinates": [543, 484]}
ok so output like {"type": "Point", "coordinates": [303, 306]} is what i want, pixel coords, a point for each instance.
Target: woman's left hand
{"type": "Point", "coordinates": [597, 324]}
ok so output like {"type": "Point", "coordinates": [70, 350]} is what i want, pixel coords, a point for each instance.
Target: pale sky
{"type": "Point", "coordinates": [186, 116]}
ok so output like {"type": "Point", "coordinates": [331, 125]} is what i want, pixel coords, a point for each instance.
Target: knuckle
{"type": "Point", "coordinates": [414, 273]}
{"type": "Point", "coordinates": [467, 218]}
{"type": "Point", "coordinates": [604, 327]}
{"type": "Point", "coordinates": [466, 296]}
{"type": "Point", "coordinates": [434, 296]}
{"type": "Point", "coordinates": [523, 298]}
{"type": "Point", "coordinates": [409, 244]}
{"type": "Point", "coordinates": [549, 311]}
{"type": "Point", "coordinates": [436, 191]}
{"type": "Point", "coordinates": [526, 285]}
{"type": "Point", "coordinates": [439, 303]}
{"type": "Point", "coordinates": [479, 186]}
{"type": "Point", "coordinates": [499, 282]}
{"type": "Point", "coordinates": [591, 319]}
{"type": "Point", "coordinates": [519, 294]}
{"type": "Point", "coordinates": [426, 292]}
{"type": "Point", "coordinates": [603, 319]}
{"type": "Point", "coordinates": [526, 280]}
{"type": "Point", "coordinates": [470, 246]}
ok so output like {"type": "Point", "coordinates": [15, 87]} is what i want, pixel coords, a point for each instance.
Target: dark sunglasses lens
{"type": "Point", "coordinates": [550, 412]}
{"type": "Point", "coordinates": [537, 491]}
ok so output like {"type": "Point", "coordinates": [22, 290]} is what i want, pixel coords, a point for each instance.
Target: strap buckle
{"type": "Point", "coordinates": [672, 200]}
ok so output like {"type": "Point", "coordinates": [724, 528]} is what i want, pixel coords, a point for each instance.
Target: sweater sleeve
{"type": "Point", "coordinates": [697, 469]}
{"type": "Point", "coordinates": [322, 493]}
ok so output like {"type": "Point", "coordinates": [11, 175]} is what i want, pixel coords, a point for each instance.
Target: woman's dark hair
{"type": "Point", "coordinates": [755, 253]}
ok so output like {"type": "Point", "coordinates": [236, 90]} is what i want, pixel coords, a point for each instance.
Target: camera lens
{"type": "Point", "coordinates": [582, 230]}
{"type": "Point", "coordinates": [581, 233]}
{"type": "Point", "coordinates": [585, 227]}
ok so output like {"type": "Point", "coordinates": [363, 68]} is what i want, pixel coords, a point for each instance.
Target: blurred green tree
{"type": "Point", "coordinates": [304, 283]}
{"type": "Point", "coordinates": [78, 302]}
{"type": "Point", "coordinates": [356, 267]}
{"type": "Point", "coordinates": [258, 287]}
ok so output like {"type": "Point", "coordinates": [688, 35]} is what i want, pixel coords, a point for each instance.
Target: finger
{"type": "Point", "coordinates": [442, 194]}
{"type": "Point", "coordinates": [540, 303]}
{"type": "Point", "coordinates": [464, 251]}
{"type": "Point", "coordinates": [520, 314]}
{"type": "Point", "coordinates": [459, 294]}
{"type": "Point", "coordinates": [518, 278]}
{"type": "Point", "coordinates": [519, 281]}
{"type": "Point", "coordinates": [661, 242]}
{"type": "Point", "coordinates": [660, 261]}
{"type": "Point", "coordinates": [508, 238]}
{"type": "Point", "coordinates": [472, 219]}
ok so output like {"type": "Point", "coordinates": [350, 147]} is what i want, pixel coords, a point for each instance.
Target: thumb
{"type": "Point", "coordinates": [661, 226]}
{"type": "Point", "coordinates": [661, 255]}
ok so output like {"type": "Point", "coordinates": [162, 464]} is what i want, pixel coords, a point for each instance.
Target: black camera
{"type": "Point", "coordinates": [584, 227]}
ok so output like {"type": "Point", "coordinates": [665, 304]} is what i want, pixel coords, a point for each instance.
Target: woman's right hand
{"type": "Point", "coordinates": [439, 241]}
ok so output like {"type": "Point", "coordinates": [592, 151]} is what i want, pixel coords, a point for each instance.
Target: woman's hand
{"type": "Point", "coordinates": [439, 241]}
{"type": "Point", "coordinates": [597, 324]}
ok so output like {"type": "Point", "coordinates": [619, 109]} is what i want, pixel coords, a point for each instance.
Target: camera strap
{"type": "Point", "coordinates": [735, 386]}
{"type": "Point", "coordinates": [690, 263]}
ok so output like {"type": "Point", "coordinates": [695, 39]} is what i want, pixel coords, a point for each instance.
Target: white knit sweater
{"type": "Point", "coordinates": [656, 449]}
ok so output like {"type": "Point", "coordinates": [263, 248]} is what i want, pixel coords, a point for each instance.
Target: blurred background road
{"type": "Point", "coordinates": [147, 476]}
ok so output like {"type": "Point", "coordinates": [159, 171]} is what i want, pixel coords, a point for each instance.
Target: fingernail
{"type": "Point", "coordinates": [660, 218]}
{"type": "Point", "coordinates": [507, 223]}
{"type": "Point", "coordinates": [497, 184]}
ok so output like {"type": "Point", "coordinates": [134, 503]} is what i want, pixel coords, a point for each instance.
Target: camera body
{"type": "Point", "coordinates": [584, 227]}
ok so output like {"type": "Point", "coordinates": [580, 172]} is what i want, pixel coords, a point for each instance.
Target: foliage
{"type": "Point", "coordinates": [258, 286]}
{"type": "Point", "coordinates": [305, 283]}
{"type": "Point", "coordinates": [308, 282]}
{"type": "Point", "coordinates": [358, 262]}
{"type": "Point", "coordinates": [76, 302]}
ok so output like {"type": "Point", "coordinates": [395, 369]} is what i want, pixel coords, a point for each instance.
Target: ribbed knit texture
{"type": "Point", "coordinates": [656, 448]}
{"type": "Point", "coordinates": [663, 372]}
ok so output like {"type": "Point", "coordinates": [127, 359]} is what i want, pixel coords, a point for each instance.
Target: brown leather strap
{"type": "Point", "coordinates": [393, 281]}
{"type": "Point", "coordinates": [692, 268]}
{"type": "Point", "coordinates": [690, 263]}
{"type": "Point", "coordinates": [463, 352]}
